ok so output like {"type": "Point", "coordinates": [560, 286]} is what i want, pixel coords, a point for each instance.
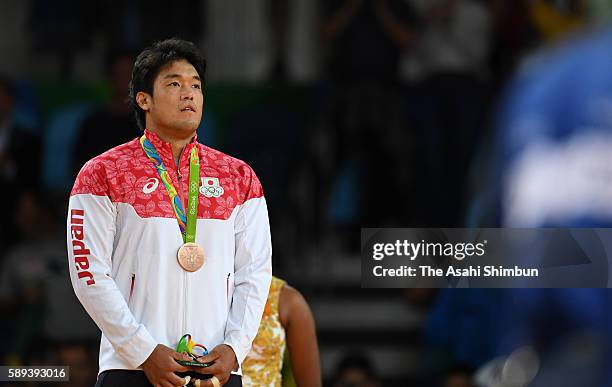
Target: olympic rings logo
{"type": "Point", "coordinates": [211, 187]}
{"type": "Point", "coordinates": [210, 192]}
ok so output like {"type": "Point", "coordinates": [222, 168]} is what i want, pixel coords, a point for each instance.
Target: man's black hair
{"type": "Point", "coordinates": [150, 61]}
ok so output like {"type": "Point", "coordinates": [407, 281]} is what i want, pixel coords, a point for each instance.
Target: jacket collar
{"type": "Point", "coordinates": [164, 149]}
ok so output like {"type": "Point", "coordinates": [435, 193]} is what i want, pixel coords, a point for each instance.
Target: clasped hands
{"type": "Point", "coordinates": [161, 366]}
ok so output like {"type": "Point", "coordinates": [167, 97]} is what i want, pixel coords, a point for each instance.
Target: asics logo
{"type": "Point", "coordinates": [151, 185]}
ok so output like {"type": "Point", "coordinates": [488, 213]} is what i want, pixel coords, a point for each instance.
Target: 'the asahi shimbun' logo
{"type": "Point", "coordinates": [80, 252]}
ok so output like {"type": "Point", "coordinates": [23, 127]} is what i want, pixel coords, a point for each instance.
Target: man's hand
{"type": "Point", "coordinates": [224, 360]}
{"type": "Point", "coordinates": [161, 365]}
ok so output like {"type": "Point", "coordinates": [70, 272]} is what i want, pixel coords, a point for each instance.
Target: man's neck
{"type": "Point", "coordinates": [177, 141]}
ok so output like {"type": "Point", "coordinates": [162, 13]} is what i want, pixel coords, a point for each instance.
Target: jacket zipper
{"type": "Point", "coordinates": [227, 287]}
{"type": "Point", "coordinates": [132, 288]}
{"type": "Point", "coordinates": [180, 189]}
{"type": "Point", "coordinates": [185, 305]}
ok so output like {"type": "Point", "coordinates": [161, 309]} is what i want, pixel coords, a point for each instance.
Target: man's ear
{"type": "Point", "coordinates": [143, 100]}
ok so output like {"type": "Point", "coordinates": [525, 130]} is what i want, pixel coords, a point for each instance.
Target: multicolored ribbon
{"type": "Point", "coordinates": [186, 222]}
{"type": "Point", "coordinates": [188, 346]}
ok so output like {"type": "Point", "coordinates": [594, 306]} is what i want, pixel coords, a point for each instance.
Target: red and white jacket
{"type": "Point", "coordinates": [123, 238]}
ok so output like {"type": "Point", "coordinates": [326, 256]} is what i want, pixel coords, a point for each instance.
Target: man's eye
{"type": "Point", "coordinates": [197, 86]}
{"type": "Point", "coordinates": [173, 84]}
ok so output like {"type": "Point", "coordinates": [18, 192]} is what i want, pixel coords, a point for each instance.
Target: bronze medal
{"type": "Point", "coordinates": [191, 257]}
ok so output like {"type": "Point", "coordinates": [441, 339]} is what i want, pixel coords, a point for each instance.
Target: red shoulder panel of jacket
{"type": "Point", "coordinates": [125, 175]}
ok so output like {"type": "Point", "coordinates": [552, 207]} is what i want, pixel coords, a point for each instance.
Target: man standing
{"type": "Point", "coordinates": [168, 237]}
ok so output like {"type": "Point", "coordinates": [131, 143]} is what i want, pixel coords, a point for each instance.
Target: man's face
{"type": "Point", "coordinates": [177, 101]}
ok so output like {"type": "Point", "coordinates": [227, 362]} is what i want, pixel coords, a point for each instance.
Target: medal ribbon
{"type": "Point", "coordinates": [186, 222]}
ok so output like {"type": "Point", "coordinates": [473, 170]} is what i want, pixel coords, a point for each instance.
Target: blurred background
{"type": "Point", "coordinates": [353, 113]}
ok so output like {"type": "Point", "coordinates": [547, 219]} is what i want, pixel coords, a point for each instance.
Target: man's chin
{"type": "Point", "coordinates": [187, 127]}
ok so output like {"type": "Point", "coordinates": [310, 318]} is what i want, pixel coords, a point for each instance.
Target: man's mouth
{"type": "Point", "coordinates": [188, 109]}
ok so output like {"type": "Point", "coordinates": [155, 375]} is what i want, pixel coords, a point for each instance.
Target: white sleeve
{"type": "Point", "coordinates": [253, 273]}
{"type": "Point", "coordinates": [91, 232]}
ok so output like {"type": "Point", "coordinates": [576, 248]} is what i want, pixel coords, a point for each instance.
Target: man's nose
{"type": "Point", "coordinates": [187, 94]}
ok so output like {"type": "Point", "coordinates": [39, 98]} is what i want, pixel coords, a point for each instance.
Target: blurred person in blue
{"type": "Point", "coordinates": [552, 167]}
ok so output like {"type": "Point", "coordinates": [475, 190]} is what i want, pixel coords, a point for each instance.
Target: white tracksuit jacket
{"type": "Point", "coordinates": [123, 238]}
